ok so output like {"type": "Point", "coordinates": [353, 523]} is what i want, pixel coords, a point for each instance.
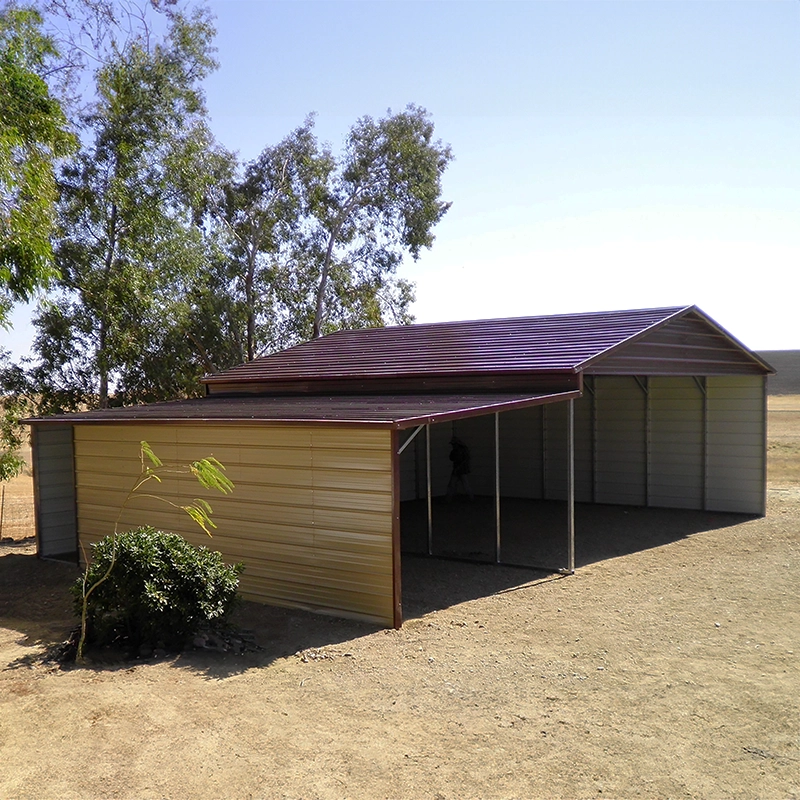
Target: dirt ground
{"type": "Point", "coordinates": [670, 671]}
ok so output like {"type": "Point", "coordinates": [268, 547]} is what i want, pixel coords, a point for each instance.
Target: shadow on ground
{"type": "Point", "coordinates": [35, 602]}
{"type": "Point", "coordinates": [533, 543]}
{"type": "Point", "coordinates": [534, 532]}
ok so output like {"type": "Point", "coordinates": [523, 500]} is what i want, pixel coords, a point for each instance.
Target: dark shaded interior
{"type": "Point", "coordinates": [534, 532]}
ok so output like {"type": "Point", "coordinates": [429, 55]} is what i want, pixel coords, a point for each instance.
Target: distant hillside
{"type": "Point", "coordinates": [787, 362]}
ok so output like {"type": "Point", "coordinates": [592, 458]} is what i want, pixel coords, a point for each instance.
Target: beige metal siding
{"type": "Point", "coordinates": [311, 515]}
{"type": "Point", "coordinates": [736, 444]}
{"type": "Point", "coordinates": [584, 448]}
{"type": "Point", "coordinates": [556, 449]}
{"type": "Point", "coordinates": [676, 443]}
{"type": "Point", "coordinates": [55, 490]}
{"type": "Point", "coordinates": [620, 447]}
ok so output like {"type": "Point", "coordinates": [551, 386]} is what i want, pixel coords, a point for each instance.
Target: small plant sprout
{"type": "Point", "coordinates": [209, 473]}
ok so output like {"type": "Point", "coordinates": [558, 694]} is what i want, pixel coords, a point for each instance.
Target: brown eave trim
{"type": "Point", "coordinates": [477, 411]}
{"type": "Point", "coordinates": [352, 377]}
{"type": "Point", "coordinates": [360, 423]}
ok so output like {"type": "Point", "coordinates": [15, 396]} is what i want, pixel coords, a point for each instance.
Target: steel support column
{"type": "Point", "coordinates": [428, 480]}
{"type": "Point", "coordinates": [497, 549]}
{"type": "Point", "coordinates": [571, 487]}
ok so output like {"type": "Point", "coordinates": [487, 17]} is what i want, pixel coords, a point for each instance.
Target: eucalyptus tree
{"type": "Point", "coordinates": [34, 135]}
{"type": "Point", "coordinates": [383, 201]}
{"type": "Point", "coordinates": [315, 239]}
{"type": "Point", "coordinates": [264, 213]}
{"type": "Point", "coordinates": [130, 204]}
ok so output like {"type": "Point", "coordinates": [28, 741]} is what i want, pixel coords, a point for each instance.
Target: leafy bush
{"type": "Point", "coordinates": [161, 589]}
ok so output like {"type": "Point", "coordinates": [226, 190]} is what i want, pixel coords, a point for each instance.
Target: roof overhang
{"type": "Point", "coordinates": [385, 411]}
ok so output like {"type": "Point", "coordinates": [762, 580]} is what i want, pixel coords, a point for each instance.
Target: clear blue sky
{"type": "Point", "coordinates": [608, 154]}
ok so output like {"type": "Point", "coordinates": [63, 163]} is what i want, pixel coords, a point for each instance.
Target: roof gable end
{"type": "Point", "coordinates": [687, 343]}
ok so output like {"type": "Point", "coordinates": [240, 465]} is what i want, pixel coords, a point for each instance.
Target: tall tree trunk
{"type": "Point", "coordinates": [102, 355]}
{"type": "Point", "coordinates": [323, 283]}
{"type": "Point", "coordinates": [250, 301]}
{"type": "Point", "coordinates": [102, 366]}
{"type": "Point", "coordinates": [319, 312]}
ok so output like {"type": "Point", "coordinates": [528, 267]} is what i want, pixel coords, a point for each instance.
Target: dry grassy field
{"type": "Point", "coordinates": [668, 672]}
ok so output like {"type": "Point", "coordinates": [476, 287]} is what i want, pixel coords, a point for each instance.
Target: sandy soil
{"type": "Point", "coordinates": [667, 672]}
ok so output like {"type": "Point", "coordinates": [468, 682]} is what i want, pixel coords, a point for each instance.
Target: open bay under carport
{"type": "Point", "coordinates": [675, 442]}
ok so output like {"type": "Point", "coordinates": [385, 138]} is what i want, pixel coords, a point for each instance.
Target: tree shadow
{"type": "Point", "coordinates": [35, 598]}
{"type": "Point", "coordinates": [36, 605]}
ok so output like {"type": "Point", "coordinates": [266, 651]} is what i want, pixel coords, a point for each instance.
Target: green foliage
{"type": "Point", "coordinates": [14, 406]}
{"type": "Point", "coordinates": [383, 201]}
{"type": "Point", "coordinates": [129, 205]}
{"type": "Point", "coordinates": [34, 135]}
{"type": "Point", "coordinates": [161, 589]}
{"type": "Point", "coordinates": [175, 261]}
{"type": "Point", "coordinates": [314, 240]}
{"type": "Point", "coordinates": [208, 472]}
{"type": "Point", "coordinates": [263, 215]}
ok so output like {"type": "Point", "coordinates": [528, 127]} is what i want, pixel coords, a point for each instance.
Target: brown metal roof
{"type": "Point", "coordinates": [553, 344]}
{"type": "Point", "coordinates": [402, 411]}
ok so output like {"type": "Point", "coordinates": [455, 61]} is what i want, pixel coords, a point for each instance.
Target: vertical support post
{"type": "Point", "coordinates": [648, 441]}
{"type": "Point", "coordinates": [589, 385]}
{"type": "Point", "coordinates": [428, 479]}
{"type": "Point", "coordinates": [571, 487]}
{"type": "Point", "coordinates": [703, 385]}
{"type": "Point", "coordinates": [544, 452]}
{"type": "Point", "coordinates": [764, 421]}
{"type": "Point", "coordinates": [397, 570]}
{"type": "Point", "coordinates": [497, 548]}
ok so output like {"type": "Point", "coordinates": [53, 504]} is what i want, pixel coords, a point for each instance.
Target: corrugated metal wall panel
{"type": "Point", "coordinates": [478, 434]}
{"type": "Point", "coordinates": [409, 485]}
{"type": "Point", "coordinates": [521, 453]}
{"type": "Point", "coordinates": [555, 451]}
{"type": "Point", "coordinates": [556, 423]}
{"type": "Point", "coordinates": [676, 468]}
{"type": "Point", "coordinates": [685, 346]}
{"type": "Point", "coordinates": [440, 457]}
{"type": "Point", "coordinates": [55, 490]}
{"type": "Point", "coordinates": [311, 515]}
{"type": "Point", "coordinates": [621, 448]}
{"type": "Point", "coordinates": [736, 450]}
{"type": "Point", "coordinates": [584, 448]}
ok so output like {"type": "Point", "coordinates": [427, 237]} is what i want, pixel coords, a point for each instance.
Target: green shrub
{"type": "Point", "coordinates": [161, 589]}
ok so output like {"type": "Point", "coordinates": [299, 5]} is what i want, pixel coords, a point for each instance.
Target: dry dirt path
{"type": "Point", "coordinates": [670, 672]}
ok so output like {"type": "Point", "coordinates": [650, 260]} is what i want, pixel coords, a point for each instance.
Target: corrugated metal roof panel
{"type": "Point", "coordinates": [526, 344]}
{"type": "Point", "coordinates": [401, 411]}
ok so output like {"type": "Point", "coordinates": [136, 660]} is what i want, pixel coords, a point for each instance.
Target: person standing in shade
{"type": "Point", "coordinates": [459, 455]}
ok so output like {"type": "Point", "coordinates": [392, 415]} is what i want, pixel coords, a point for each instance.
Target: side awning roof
{"type": "Point", "coordinates": [387, 411]}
